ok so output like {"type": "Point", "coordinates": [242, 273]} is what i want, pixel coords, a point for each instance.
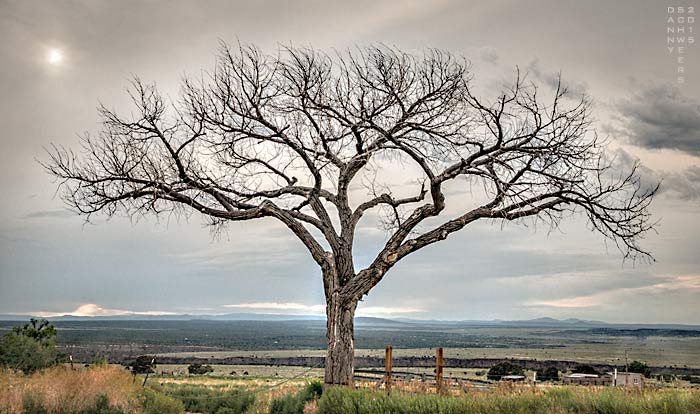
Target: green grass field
{"type": "Point", "coordinates": [243, 372]}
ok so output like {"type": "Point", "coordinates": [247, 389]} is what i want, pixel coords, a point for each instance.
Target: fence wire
{"type": "Point", "coordinates": [261, 389]}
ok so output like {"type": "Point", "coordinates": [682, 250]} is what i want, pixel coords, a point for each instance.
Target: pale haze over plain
{"type": "Point", "coordinates": [59, 59]}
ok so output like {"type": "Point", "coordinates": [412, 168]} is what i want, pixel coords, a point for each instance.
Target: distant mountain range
{"type": "Point", "coordinates": [364, 320]}
{"type": "Point", "coordinates": [178, 317]}
{"type": "Point", "coordinates": [523, 322]}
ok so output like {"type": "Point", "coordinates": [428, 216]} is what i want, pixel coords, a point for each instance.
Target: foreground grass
{"type": "Point", "coordinates": [101, 389]}
{"type": "Point", "coordinates": [208, 400]}
{"type": "Point", "coordinates": [571, 400]}
{"type": "Point", "coordinates": [112, 390]}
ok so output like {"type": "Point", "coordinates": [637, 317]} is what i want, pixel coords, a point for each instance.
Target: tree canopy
{"type": "Point", "coordinates": [30, 347]}
{"type": "Point", "coordinates": [585, 369]}
{"type": "Point", "coordinates": [640, 368]}
{"type": "Point", "coordinates": [548, 374]}
{"type": "Point", "coordinates": [502, 369]}
{"type": "Point", "coordinates": [198, 368]}
{"type": "Point", "coordinates": [305, 137]}
{"type": "Point", "coordinates": [143, 364]}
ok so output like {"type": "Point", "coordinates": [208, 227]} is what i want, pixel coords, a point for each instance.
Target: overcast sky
{"type": "Point", "coordinates": [59, 59]}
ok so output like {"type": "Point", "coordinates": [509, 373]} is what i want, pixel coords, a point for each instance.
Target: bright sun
{"type": "Point", "coordinates": [54, 57]}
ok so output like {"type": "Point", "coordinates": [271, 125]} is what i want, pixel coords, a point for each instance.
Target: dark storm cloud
{"type": "Point", "coordinates": [662, 117]}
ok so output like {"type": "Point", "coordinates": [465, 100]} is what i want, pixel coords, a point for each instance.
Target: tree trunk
{"type": "Point", "coordinates": [340, 338]}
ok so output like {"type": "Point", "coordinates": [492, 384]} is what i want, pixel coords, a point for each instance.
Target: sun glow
{"type": "Point", "coordinates": [54, 57]}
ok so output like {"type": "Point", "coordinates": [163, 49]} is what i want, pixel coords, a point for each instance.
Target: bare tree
{"type": "Point", "coordinates": [287, 135]}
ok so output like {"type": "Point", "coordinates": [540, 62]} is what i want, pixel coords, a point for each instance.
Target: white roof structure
{"type": "Point", "coordinates": [583, 376]}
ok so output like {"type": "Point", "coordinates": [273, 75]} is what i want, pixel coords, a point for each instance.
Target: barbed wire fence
{"type": "Point", "coordinates": [387, 377]}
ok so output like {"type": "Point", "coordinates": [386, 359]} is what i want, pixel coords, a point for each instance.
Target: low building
{"type": "Point", "coordinates": [622, 379]}
{"type": "Point", "coordinates": [587, 379]}
{"type": "Point", "coordinates": [615, 379]}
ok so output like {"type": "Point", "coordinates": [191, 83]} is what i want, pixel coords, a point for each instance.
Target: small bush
{"type": "Point", "coordinates": [233, 402]}
{"type": "Point", "coordinates": [26, 354]}
{"type": "Point", "coordinates": [206, 400]}
{"type": "Point", "coordinates": [548, 374]}
{"type": "Point", "coordinates": [143, 364]}
{"type": "Point", "coordinates": [157, 403]}
{"type": "Point", "coordinates": [199, 369]}
{"type": "Point", "coordinates": [97, 390]}
{"type": "Point", "coordinates": [100, 360]}
{"type": "Point", "coordinates": [100, 389]}
{"type": "Point", "coordinates": [33, 404]}
{"type": "Point", "coordinates": [640, 368]}
{"type": "Point", "coordinates": [294, 403]}
{"type": "Point", "coordinates": [102, 406]}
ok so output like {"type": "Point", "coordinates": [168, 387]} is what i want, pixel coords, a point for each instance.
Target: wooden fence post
{"type": "Point", "coordinates": [388, 368]}
{"type": "Point", "coordinates": [153, 361]}
{"type": "Point", "coordinates": [438, 370]}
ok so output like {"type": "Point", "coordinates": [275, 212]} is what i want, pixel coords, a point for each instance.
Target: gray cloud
{"type": "Point", "coordinates": [48, 214]}
{"type": "Point", "coordinates": [662, 117]}
{"type": "Point", "coordinates": [489, 54]}
{"type": "Point", "coordinates": [684, 184]}
{"type": "Point", "coordinates": [551, 78]}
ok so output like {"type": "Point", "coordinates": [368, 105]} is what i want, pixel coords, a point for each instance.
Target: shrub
{"type": "Point", "coordinates": [157, 403]}
{"type": "Point", "coordinates": [294, 403]}
{"type": "Point", "coordinates": [548, 374]}
{"type": "Point", "coordinates": [102, 390]}
{"type": "Point", "coordinates": [199, 369]}
{"type": "Point", "coordinates": [30, 347]}
{"type": "Point", "coordinates": [640, 368]}
{"type": "Point", "coordinates": [100, 360]}
{"type": "Point", "coordinates": [36, 404]}
{"type": "Point", "coordinates": [143, 364]}
{"type": "Point", "coordinates": [193, 397]}
{"type": "Point", "coordinates": [338, 400]}
{"type": "Point", "coordinates": [33, 404]}
{"type": "Point", "coordinates": [206, 400]}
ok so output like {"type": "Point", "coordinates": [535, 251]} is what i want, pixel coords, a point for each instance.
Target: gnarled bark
{"type": "Point", "coordinates": [340, 337]}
